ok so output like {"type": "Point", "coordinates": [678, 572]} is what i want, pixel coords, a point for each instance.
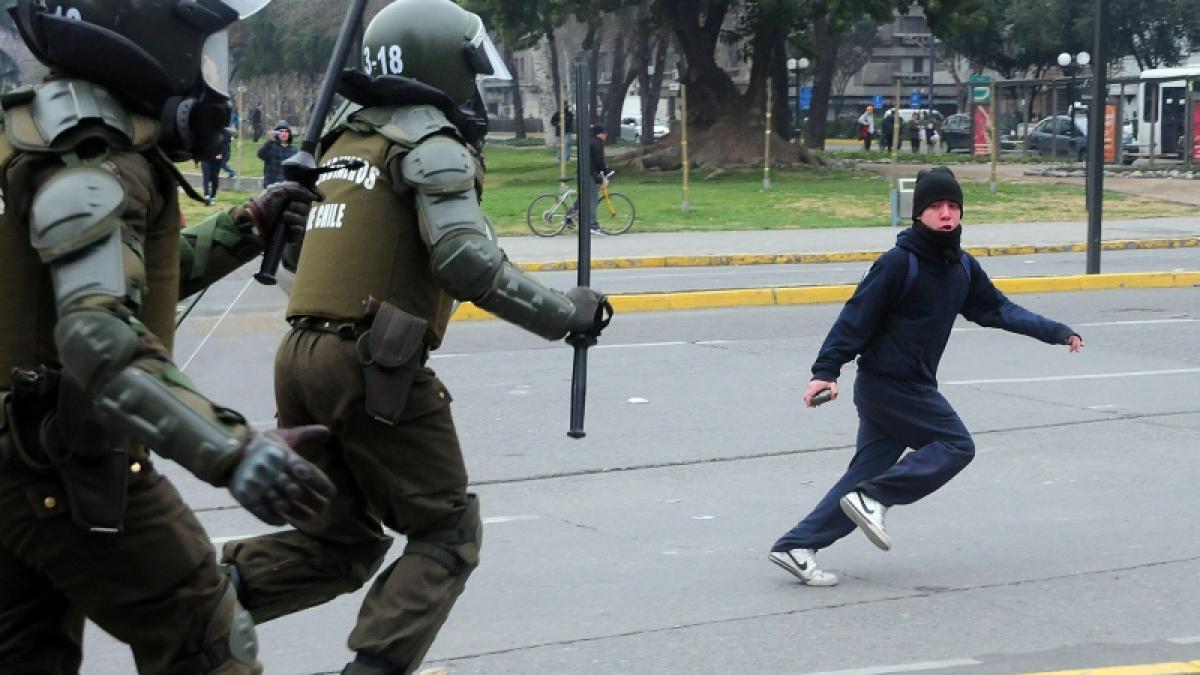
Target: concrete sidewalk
{"type": "Point", "coordinates": [839, 243]}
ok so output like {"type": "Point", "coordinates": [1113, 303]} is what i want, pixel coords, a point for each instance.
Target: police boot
{"type": "Point", "coordinates": [368, 665]}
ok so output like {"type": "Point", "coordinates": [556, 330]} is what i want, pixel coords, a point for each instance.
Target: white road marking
{"type": "Point", "coordinates": [1190, 640]}
{"type": "Point", "coordinates": [684, 343]}
{"type": "Point", "coordinates": [902, 667]}
{"type": "Point", "coordinates": [1092, 376]}
{"type": "Point", "coordinates": [494, 520]}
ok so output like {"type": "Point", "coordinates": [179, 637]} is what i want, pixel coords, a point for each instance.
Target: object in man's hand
{"type": "Point", "coordinates": [823, 396]}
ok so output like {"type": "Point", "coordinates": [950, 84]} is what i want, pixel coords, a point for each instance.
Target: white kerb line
{"type": "Point", "coordinates": [217, 324]}
{"type": "Point", "coordinates": [1093, 376]}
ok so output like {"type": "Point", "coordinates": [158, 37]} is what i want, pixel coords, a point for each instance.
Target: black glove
{"type": "Point", "coordinates": [286, 204]}
{"type": "Point", "coordinates": [276, 484]}
{"type": "Point", "coordinates": [592, 312]}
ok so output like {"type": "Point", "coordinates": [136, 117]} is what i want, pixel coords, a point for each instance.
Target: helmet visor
{"type": "Point", "coordinates": [214, 62]}
{"type": "Point", "coordinates": [485, 58]}
{"type": "Point", "coordinates": [244, 8]}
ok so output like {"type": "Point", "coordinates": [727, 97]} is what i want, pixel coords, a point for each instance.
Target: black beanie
{"type": "Point", "coordinates": [934, 185]}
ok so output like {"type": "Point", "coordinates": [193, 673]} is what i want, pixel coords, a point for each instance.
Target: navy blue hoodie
{"type": "Point", "coordinates": [904, 337]}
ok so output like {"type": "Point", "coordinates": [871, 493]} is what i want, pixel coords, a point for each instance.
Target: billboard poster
{"type": "Point", "coordinates": [1110, 133]}
{"type": "Point", "coordinates": [983, 120]}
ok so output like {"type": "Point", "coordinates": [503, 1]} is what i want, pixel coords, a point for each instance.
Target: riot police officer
{"type": "Point", "coordinates": [92, 264]}
{"type": "Point", "coordinates": [395, 243]}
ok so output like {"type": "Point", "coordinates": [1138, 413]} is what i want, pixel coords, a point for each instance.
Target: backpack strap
{"type": "Point", "coordinates": [910, 278]}
{"type": "Point", "coordinates": [966, 265]}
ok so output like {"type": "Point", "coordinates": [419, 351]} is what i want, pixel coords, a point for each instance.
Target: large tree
{"type": "Point", "coordinates": [729, 122]}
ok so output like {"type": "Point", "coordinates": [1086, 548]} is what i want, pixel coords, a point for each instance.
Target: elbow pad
{"type": "Point", "coordinates": [466, 259]}
{"type": "Point", "coordinates": [472, 267]}
{"type": "Point", "coordinates": [77, 210]}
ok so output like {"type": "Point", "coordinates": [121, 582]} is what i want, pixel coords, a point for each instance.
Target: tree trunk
{"type": "Point", "coordinates": [548, 83]}
{"type": "Point", "coordinates": [651, 85]}
{"type": "Point", "coordinates": [591, 43]}
{"type": "Point", "coordinates": [709, 88]}
{"type": "Point", "coordinates": [555, 67]}
{"type": "Point", "coordinates": [780, 82]}
{"type": "Point", "coordinates": [619, 79]}
{"type": "Point", "coordinates": [518, 102]}
{"type": "Point", "coordinates": [725, 126]}
{"type": "Point", "coordinates": [827, 41]}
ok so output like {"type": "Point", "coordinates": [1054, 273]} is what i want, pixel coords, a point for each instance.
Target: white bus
{"type": "Point", "coordinates": [1162, 109]}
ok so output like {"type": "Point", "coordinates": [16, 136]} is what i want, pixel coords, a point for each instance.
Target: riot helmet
{"type": "Point", "coordinates": [166, 55]}
{"type": "Point", "coordinates": [437, 43]}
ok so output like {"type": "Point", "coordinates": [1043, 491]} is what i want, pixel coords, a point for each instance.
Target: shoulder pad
{"type": "Point", "coordinates": [412, 124]}
{"type": "Point", "coordinates": [439, 164]}
{"type": "Point", "coordinates": [63, 113]}
{"type": "Point", "coordinates": [75, 208]}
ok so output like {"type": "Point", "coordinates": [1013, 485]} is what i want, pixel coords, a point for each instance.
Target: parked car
{"type": "Point", "coordinates": [1071, 138]}
{"type": "Point", "coordinates": [631, 129]}
{"type": "Point", "coordinates": [956, 133]}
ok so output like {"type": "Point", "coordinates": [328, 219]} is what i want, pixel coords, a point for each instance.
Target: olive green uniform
{"type": "Point", "coordinates": [406, 230]}
{"type": "Point", "coordinates": [147, 575]}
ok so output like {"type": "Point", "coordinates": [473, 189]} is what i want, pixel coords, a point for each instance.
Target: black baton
{"type": "Point", "coordinates": [586, 212]}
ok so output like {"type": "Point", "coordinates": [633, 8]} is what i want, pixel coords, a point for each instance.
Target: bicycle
{"type": "Point", "coordinates": [548, 215]}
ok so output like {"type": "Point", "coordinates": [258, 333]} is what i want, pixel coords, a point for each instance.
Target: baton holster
{"type": "Point", "coordinates": [56, 426]}
{"type": "Point", "coordinates": [391, 353]}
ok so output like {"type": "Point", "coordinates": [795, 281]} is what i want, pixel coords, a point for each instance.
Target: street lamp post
{"type": "Point", "coordinates": [795, 67]}
{"type": "Point", "coordinates": [1071, 66]}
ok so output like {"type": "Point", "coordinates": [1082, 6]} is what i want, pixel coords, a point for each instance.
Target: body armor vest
{"type": "Point", "coordinates": [364, 239]}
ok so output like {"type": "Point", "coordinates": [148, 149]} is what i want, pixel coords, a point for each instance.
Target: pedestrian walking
{"type": "Point", "coordinates": [887, 130]}
{"type": "Point", "coordinates": [599, 171]}
{"type": "Point", "coordinates": [898, 323]}
{"type": "Point", "coordinates": [387, 255]}
{"type": "Point", "coordinates": [256, 122]}
{"type": "Point", "coordinates": [565, 131]}
{"type": "Point", "coordinates": [866, 127]}
{"type": "Point", "coordinates": [275, 151]}
{"type": "Point", "coordinates": [211, 166]}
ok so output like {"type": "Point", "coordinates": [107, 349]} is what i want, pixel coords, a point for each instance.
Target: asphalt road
{"type": "Point", "coordinates": [1071, 540]}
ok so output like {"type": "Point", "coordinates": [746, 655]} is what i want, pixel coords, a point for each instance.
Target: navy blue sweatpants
{"type": "Point", "coordinates": [892, 415]}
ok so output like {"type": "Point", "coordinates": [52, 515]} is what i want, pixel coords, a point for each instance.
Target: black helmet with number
{"type": "Point", "coordinates": [435, 42]}
{"type": "Point", "coordinates": [168, 55]}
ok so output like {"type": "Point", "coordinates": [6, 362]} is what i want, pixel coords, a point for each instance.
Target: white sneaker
{"type": "Point", "coordinates": [868, 515]}
{"type": "Point", "coordinates": [802, 564]}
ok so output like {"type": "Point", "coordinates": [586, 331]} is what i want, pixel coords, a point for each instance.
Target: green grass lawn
{"type": "Point", "coordinates": [734, 200]}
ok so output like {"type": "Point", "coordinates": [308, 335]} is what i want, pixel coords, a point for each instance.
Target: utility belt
{"type": "Point", "coordinates": [50, 424]}
{"type": "Point", "coordinates": [348, 330]}
{"type": "Point", "coordinates": [390, 344]}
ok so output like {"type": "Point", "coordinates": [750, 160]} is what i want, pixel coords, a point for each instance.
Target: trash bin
{"type": "Point", "coordinates": [902, 199]}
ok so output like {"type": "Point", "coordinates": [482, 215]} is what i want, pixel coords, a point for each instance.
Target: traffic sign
{"type": "Point", "coordinates": [878, 100]}
{"type": "Point", "coordinates": [914, 100]}
{"type": "Point", "coordinates": [805, 98]}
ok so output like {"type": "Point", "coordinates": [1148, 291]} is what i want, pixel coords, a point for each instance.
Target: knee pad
{"type": "Point", "coordinates": [230, 641]}
{"type": "Point", "coordinates": [455, 548]}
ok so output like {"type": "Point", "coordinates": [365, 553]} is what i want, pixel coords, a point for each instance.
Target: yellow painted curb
{"type": "Point", "coordinates": [644, 262]}
{"type": "Point", "coordinates": [808, 295]}
{"type": "Point", "coordinates": [1145, 669]}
